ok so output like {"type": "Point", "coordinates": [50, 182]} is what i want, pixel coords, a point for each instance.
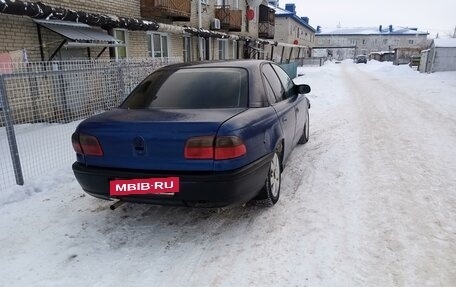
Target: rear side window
{"type": "Point", "coordinates": [274, 84]}
{"type": "Point", "coordinates": [286, 81]}
{"type": "Point", "coordinates": [191, 88]}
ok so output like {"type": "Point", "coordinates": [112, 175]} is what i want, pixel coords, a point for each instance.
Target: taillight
{"type": "Point", "coordinates": [199, 148]}
{"type": "Point", "coordinates": [218, 148]}
{"type": "Point", "coordinates": [86, 144]}
{"type": "Point", "coordinates": [76, 145]}
{"type": "Point", "coordinates": [229, 147]}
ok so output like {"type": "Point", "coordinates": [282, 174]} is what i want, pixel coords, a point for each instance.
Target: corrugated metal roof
{"type": "Point", "coordinates": [280, 12]}
{"type": "Point", "coordinates": [76, 31]}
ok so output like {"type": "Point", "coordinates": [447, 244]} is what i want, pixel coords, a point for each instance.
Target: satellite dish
{"type": "Point", "coordinates": [254, 3]}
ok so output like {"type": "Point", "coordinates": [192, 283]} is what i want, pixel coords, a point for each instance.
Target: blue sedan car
{"type": "Point", "coordinates": [202, 135]}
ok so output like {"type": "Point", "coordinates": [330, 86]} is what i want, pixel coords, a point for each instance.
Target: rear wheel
{"type": "Point", "coordinates": [270, 193]}
{"type": "Point", "coordinates": [305, 133]}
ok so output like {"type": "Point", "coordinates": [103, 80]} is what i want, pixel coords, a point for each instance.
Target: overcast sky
{"type": "Point", "coordinates": [432, 16]}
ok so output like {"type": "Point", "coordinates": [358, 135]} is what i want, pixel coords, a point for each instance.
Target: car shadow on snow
{"type": "Point", "coordinates": [162, 227]}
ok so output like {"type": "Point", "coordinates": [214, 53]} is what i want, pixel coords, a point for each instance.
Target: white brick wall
{"type": "Point", "coordinates": [286, 30]}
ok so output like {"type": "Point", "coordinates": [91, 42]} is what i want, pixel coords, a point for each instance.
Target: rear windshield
{"type": "Point", "coordinates": [191, 88]}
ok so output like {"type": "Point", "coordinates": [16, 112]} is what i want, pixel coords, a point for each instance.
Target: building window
{"type": "Point", "coordinates": [364, 42]}
{"type": "Point", "coordinates": [187, 49]}
{"type": "Point", "coordinates": [157, 45]}
{"type": "Point", "coordinates": [122, 36]}
{"type": "Point", "coordinates": [222, 49]}
{"type": "Point", "coordinates": [411, 42]}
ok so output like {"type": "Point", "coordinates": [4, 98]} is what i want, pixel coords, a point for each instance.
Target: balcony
{"type": "Point", "coordinates": [266, 30]}
{"type": "Point", "coordinates": [174, 10]}
{"type": "Point", "coordinates": [266, 22]}
{"type": "Point", "coordinates": [230, 20]}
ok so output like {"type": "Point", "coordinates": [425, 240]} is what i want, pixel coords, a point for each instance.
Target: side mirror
{"type": "Point", "coordinates": [303, 89]}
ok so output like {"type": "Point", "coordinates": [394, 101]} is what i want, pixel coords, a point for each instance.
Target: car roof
{"type": "Point", "coordinates": [246, 64]}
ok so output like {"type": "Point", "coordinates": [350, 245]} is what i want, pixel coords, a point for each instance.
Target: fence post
{"type": "Point", "coordinates": [10, 134]}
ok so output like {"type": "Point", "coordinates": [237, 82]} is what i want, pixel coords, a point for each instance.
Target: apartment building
{"type": "Point", "coordinates": [343, 43]}
{"type": "Point", "coordinates": [292, 29]}
{"type": "Point", "coordinates": [188, 29]}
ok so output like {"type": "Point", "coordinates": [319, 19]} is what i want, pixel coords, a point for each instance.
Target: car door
{"type": "Point", "coordinates": [283, 106]}
{"type": "Point", "coordinates": [299, 102]}
{"type": "Point", "coordinates": [296, 100]}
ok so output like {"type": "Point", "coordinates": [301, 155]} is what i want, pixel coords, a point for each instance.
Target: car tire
{"type": "Point", "coordinates": [305, 133]}
{"type": "Point", "coordinates": [270, 193]}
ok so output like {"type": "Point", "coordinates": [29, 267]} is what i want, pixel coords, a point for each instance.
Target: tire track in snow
{"type": "Point", "coordinates": [406, 176]}
{"type": "Point", "coordinates": [322, 189]}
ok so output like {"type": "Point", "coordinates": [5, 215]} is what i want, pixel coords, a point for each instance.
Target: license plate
{"type": "Point", "coordinates": [165, 185]}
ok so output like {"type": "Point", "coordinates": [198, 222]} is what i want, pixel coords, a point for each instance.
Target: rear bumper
{"type": "Point", "coordinates": [199, 189]}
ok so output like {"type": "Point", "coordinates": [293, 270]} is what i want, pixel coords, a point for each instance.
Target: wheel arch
{"type": "Point", "coordinates": [279, 147]}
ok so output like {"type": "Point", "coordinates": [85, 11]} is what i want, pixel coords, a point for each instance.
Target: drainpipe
{"type": "Point", "coordinates": [200, 25]}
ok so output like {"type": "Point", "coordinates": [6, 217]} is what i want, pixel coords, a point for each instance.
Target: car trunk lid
{"type": "Point", "coordinates": [152, 139]}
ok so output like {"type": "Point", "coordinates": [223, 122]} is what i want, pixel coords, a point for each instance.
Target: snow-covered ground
{"type": "Point", "coordinates": [369, 201]}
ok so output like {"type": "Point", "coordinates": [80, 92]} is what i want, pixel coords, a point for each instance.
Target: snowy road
{"type": "Point", "coordinates": [397, 202]}
{"type": "Point", "coordinates": [369, 201]}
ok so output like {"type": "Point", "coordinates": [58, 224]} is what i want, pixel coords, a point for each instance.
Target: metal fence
{"type": "Point", "coordinates": [291, 69]}
{"type": "Point", "coordinates": [311, 61]}
{"type": "Point", "coordinates": [41, 104]}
